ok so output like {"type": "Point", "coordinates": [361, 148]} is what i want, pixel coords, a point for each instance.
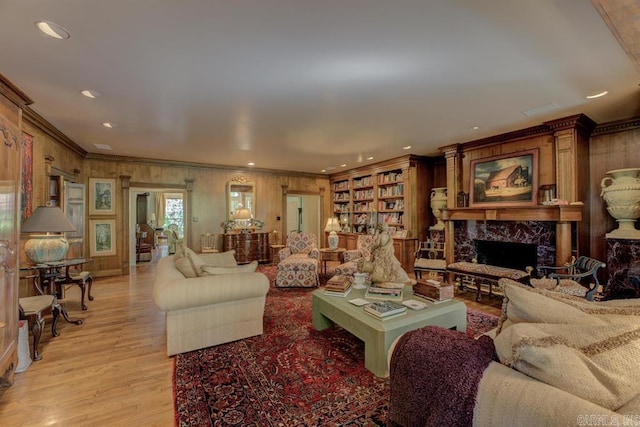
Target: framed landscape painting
{"type": "Point", "coordinates": [102, 237]}
{"type": "Point", "coordinates": [504, 181]}
{"type": "Point", "coordinates": [102, 199]}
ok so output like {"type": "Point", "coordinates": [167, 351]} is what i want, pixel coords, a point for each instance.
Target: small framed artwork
{"type": "Point", "coordinates": [102, 237]}
{"type": "Point", "coordinates": [403, 234]}
{"type": "Point", "coordinates": [102, 200]}
{"type": "Point", "coordinates": [504, 181]}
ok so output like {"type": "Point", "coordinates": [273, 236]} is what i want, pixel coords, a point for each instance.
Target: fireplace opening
{"type": "Point", "coordinates": [506, 254]}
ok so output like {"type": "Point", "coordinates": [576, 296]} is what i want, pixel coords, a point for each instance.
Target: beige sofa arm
{"type": "Point", "coordinates": [507, 397]}
{"type": "Point", "coordinates": [182, 293]}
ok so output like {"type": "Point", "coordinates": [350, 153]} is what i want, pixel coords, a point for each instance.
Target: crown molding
{"type": "Point", "coordinates": [37, 121]}
{"type": "Point", "coordinates": [11, 92]}
{"type": "Point", "coordinates": [617, 126]}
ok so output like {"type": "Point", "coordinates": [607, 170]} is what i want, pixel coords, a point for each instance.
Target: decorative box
{"type": "Point", "coordinates": [433, 289]}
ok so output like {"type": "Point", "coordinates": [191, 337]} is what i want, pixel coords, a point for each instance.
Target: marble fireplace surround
{"type": "Point", "coordinates": [548, 227]}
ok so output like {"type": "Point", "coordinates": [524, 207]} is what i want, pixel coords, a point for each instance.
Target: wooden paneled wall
{"type": "Point", "coordinates": [612, 146]}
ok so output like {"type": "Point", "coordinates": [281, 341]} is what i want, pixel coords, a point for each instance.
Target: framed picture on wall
{"type": "Point", "coordinates": [102, 237]}
{"type": "Point", "coordinates": [102, 199]}
{"type": "Point", "coordinates": [506, 180]}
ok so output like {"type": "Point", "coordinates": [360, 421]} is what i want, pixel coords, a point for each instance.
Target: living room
{"type": "Point", "coordinates": [122, 288]}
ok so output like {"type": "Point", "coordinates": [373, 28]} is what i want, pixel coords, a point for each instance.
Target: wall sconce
{"type": "Point", "coordinates": [41, 248]}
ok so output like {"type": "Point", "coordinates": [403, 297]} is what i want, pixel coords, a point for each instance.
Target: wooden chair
{"type": "Point", "coordinates": [208, 243]}
{"type": "Point", "coordinates": [429, 257]}
{"type": "Point", "coordinates": [33, 309]}
{"type": "Point", "coordinates": [582, 274]}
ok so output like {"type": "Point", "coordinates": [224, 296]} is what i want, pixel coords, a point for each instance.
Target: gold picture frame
{"type": "Point", "coordinates": [102, 237]}
{"type": "Point", "coordinates": [102, 196]}
{"type": "Point", "coordinates": [504, 181]}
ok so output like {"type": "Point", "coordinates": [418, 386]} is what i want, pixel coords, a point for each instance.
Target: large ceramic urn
{"type": "Point", "coordinates": [621, 192]}
{"type": "Point", "coordinates": [438, 202]}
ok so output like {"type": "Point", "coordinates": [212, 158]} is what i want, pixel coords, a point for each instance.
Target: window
{"type": "Point", "coordinates": [173, 211]}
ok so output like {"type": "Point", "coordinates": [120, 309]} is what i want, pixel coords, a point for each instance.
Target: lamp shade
{"type": "Point", "coordinates": [48, 247]}
{"type": "Point", "coordinates": [47, 219]}
{"type": "Point", "coordinates": [242, 213]}
{"type": "Point", "coordinates": [332, 225]}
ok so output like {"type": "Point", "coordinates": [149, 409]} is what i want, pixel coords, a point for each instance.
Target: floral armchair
{"type": "Point", "coordinates": [363, 250]}
{"type": "Point", "coordinates": [298, 266]}
{"type": "Point", "coordinates": [300, 244]}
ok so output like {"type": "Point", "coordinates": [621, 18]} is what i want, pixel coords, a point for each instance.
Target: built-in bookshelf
{"type": "Point", "coordinates": [392, 192]}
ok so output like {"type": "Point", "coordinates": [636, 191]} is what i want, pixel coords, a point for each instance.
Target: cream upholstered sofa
{"type": "Point", "coordinates": [207, 309]}
{"type": "Point", "coordinates": [561, 361]}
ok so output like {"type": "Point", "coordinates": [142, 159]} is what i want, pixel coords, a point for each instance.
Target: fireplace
{"type": "Point", "coordinates": [506, 254]}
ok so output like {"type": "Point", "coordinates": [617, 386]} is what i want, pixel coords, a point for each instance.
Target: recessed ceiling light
{"type": "Point", "coordinates": [89, 93]}
{"type": "Point", "coordinates": [102, 146]}
{"type": "Point", "coordinates": [474, 127]}
{"type": "Point", "coordinates": [406, 147]}
{"type": "Point", "coordinates": [53, 30]}
{"type": "Point", "coordinates": [343, 165]}
{"type": "Point", "coordinates": [598, 95]}
{"type": "Point", "coordinates": [370, 158]}
{"type": "Point", "coordinates": [251, 164]}
{"type": "Point", "coordinates": [109, 125]}
{"type": "Point", "coordinates": [323, 170]}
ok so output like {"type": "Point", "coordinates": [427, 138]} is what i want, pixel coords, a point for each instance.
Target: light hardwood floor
{"type": "Point", "coordinates": [113, 369]}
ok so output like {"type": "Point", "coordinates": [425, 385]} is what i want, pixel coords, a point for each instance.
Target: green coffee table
{"type": "Point", "coordinates": [379, 334]}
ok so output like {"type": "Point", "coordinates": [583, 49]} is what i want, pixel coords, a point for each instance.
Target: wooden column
{"type": "Point", "coordinates": [125, 184]}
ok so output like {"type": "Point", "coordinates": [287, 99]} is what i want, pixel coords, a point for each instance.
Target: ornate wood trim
{"type": "Point", "coordinates": [617, 126]}
{"type": "Point", "coordinates": [39, 122]}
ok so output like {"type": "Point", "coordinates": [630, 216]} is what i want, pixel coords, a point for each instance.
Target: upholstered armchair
{"type": "Point", "coordinates": [363, 250]}
{"type": "Point", "coordinates": [298, 266]}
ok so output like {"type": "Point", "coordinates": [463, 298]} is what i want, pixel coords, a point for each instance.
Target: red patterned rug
{"type": "Point", "coordinates": [292, 375]}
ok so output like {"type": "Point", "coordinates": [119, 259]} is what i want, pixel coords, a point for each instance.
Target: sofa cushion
{"type": "Point", "coordinates": [220, 259]}
{"type": "Point", "coordinates": [185, 266]}
{"type": "Point", "coordinates": [588, 349]}
{"type": "Point", "coordinates": [208, 270]}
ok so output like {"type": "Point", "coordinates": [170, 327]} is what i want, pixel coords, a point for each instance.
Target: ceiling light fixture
{"type": "Point", "coordinates": [323, 170]}
{"type": "Point", "coordinates": [53, 30]}
{"type": "Point", "coordinates": [474, 127]}
{"type": "Point", "coordinates": [102, 146]}
{"type": "Point", "coordinates": [109, 125]}
{"type": "Point", "coordinates": [251, 164]}
{"type": "Point", "coordinates": [370, 158]}
{"type": "Point", "coordinates": [90, 93]}
{"type": "Point", "coordinates": [598, 95]}
{"type": "Point", "coordinates": [343, 165]}
{"type": "Point", "coordinates": [406, 147]}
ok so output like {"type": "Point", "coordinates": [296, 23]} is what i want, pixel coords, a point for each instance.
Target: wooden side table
{"type": "Point", "coordinates": [327, 254]}
{"type": "Point", "coordinates": [274, 252]}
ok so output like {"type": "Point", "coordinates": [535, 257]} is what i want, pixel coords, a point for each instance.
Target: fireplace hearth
{"type": "Point", "coordinates": [506, 254]}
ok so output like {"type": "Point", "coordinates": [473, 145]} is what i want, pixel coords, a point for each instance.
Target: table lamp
{"type": "Point", "coordinates": [332, 226]}
{"type": "Point", "coordinates": [41, 248]}
{"type": "Point", "coordinates": [242, 217]}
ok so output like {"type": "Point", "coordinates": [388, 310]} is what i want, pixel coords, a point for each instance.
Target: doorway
{"type": "Point", "coordinates": [161, 209]}
{"type": "Point", "coordinates": [303, 214]}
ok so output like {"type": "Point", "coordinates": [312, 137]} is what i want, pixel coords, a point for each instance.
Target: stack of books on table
{"type": "Point", "coordinates": [338, 286]}
{"type": "Point", "coordinates": [385, 309]}
{"type": "Point", "coordinates": [383, 293]}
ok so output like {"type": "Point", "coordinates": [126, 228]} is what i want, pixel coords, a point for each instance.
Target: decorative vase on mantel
{"type": "Point", "coordinates": [438, 202]}
{"type": "Point", "coordinates": [621, 192]}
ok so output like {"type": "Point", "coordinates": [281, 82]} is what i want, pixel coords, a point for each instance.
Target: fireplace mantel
{"type": "Point", "coordinates": [565, 213]}
{"type": "Point", "coordinates": [562, 216]}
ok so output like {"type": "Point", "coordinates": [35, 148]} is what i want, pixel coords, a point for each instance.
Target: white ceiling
{"type": "Point", "coordinates": [307, 85]}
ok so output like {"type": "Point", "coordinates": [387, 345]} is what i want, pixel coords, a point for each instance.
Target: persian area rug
{"type": "Point", "coordinates": [292, 375]}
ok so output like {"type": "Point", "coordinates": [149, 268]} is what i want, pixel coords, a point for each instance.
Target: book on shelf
{"type": "Point", "coordinates": [383, 293]}
{"type": "Point", "coordinates": [384, 308]}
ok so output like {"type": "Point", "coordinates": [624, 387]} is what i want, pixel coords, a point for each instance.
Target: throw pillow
{"type": "Point", "coordinates": [208, 270]}
{"type": "Point", "coordinates": [588, 349]}
{"type": "Point", "coordinates": [221, 259]}
{"type": "Point", "coordinates": [185, 266]}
